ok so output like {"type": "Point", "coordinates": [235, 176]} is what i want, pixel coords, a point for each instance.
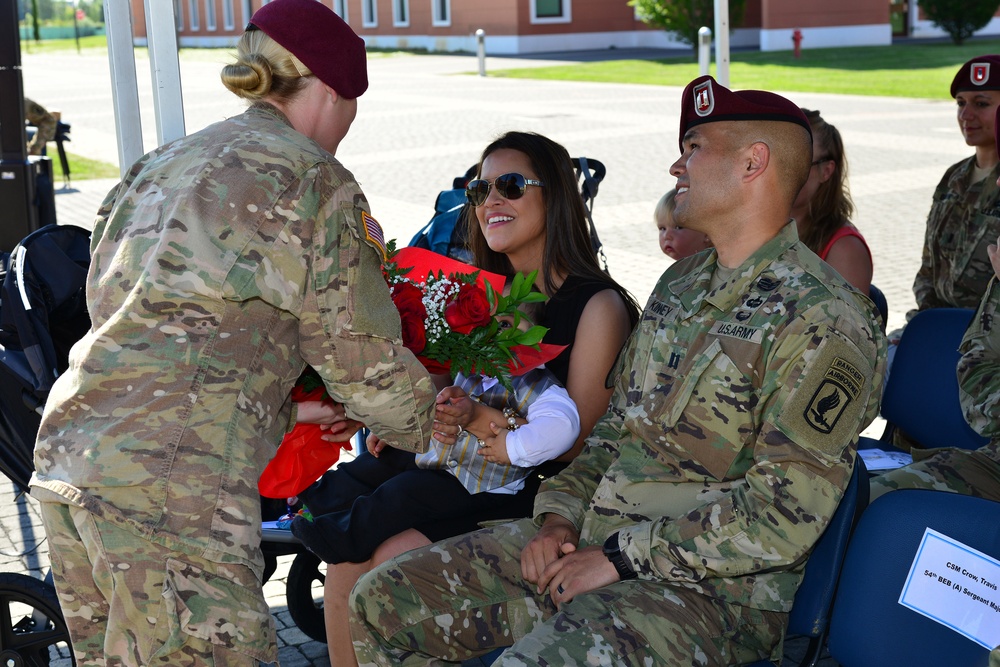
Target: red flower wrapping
{"type": "Point", "coordinates": [468, 309]}
{"type": "Point", "coordinates": [408, 300]}
{"type": "Point", "coordinates": [302, 456]}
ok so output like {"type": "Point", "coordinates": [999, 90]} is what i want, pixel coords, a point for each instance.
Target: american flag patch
{"type": "Point", "coordinates": [373, 232]}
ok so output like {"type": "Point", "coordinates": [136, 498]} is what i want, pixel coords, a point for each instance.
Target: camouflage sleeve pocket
{"type": "Point", "coordinates": [218, 610]}
{"type": "Point", "coordinates": [370, 307]}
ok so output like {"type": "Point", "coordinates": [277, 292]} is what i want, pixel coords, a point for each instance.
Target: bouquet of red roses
{"type": "Point", "coordinates": [449, 313]}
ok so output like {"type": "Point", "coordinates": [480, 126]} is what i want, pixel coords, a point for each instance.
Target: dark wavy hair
{"type": "Point", "coordinates": [831, 207]}
{"type": "Point", "coordinates": [568, 247]}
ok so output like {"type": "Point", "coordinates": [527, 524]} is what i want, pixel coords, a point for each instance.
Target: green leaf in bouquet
{"type": "Point", "coordinates": [532, 336]}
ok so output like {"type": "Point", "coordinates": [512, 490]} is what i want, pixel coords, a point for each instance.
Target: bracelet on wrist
{"type": "Point", "coordinates": [511, 418]}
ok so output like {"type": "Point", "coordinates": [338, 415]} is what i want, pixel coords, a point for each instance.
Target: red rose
{"type": "Point", "coordinates": [409, 302]}
{"type": "Point", "coordinates": [468, 310]}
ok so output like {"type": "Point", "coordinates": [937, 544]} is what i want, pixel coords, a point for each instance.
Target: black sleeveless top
{"type": "Point", "coordinates": [561, 314]}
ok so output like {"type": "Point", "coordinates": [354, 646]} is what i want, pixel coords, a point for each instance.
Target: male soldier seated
{"type": "Point", "coordinates": [680, 533]}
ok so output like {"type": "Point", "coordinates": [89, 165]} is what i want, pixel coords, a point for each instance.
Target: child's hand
{"type": "Point", "coordinates": [320, 412]}
{"type": "Point", "coordinates": [340, 431]}
{"type": "Point", "coordinates": [375, 444]}
{"type": "Point", "coordinates": [495, 448]}
{"type": "Point", "coordinates": [454, 411]}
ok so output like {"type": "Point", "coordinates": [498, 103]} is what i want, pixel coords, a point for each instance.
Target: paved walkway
{"type": "Point", "coordinates": [425, 119]}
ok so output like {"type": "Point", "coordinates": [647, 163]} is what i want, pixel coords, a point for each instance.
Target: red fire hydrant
{"type": "Point", "coordinates": [797, 40]}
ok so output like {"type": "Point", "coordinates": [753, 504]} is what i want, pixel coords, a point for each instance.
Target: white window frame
{"type": "Point", "coordinates": [369, 13]}
{"type": "Point", "coordinates": [437, 20]}
{"type": "Point", "coordinates": [567, 15]}
{"type": "Point", "coordinates": [340, 9]}
{"type": "Point", "coordinates": [401, 7]}
{"type": "Point", "coordinates": [228, 15]}
{"type": "Point", "coordinates": [193, 15]}
{"type": "Point", "coordinates": [210, 19]}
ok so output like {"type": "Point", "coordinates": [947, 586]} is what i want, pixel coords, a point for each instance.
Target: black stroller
{"type": "Point", "coordinates": [43, 313]}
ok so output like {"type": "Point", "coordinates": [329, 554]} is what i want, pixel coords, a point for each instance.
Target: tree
{"type": "Point", "coordinates": [960, 18]}
{"type": "Point", "coordinates": [685, 17]}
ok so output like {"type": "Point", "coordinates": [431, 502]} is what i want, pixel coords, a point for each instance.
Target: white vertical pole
{"type": "Point", "coordinates": [165, 70]}
{"type": "Point", "coordinates": [481, 50]}
{"type": "Point", "coordinates": [704, 50]}
{"type": "Point", "coordinates": [124, 89]}
{"type": "Point", "coordinates": [722, 42]}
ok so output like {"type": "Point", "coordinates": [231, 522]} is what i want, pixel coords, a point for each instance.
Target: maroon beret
{"type": "Point", "coordinates": [980, 73]}
{"type": "Point", "coordinates": [314, 34]}
{"type": "Point", "coordinates": [705, 100]}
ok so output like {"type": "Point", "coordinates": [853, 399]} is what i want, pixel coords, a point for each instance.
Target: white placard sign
{"type": "Point", "coordinates": [956, 586]}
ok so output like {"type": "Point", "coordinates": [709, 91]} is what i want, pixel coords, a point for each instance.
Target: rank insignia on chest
{"type": "Point", "coordinates": [373, 232]}
{"type": "Point", "coordinates": [841, 385]}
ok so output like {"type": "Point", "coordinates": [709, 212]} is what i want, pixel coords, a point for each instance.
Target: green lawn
{"type": "Point", "coordinates": [910, 70]}
{"type": "Point", "coordinates": [81, 168]}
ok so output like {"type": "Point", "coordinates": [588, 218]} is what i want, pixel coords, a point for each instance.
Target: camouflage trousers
{"type": "Point", "coordinates": [129, 601]}
{"type": "Point", "coordinates": [465, 596]}
{"type": "Point", "coordinates": [969, 472]}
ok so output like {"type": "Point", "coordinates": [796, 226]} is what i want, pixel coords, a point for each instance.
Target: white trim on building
{"type": "Point", "coordinates": [879, 34]}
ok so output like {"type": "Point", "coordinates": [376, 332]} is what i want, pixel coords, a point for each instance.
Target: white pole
{"type": "Point", "coordinates": [722, 42]}
{"type": "Point", "coordinates": [704, 49]}
{"type": "Point", "coordinates": [165, 70]}
{"type": "Point", "coordinates": [124, 89]}
{"type": "Point", "coordinates": [481, 50]}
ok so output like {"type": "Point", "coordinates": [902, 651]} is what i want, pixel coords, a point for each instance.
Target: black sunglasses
{"type": "Point", "coordinates": [509, 186]}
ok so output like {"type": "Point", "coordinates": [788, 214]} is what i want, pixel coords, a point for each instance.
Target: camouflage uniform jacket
{"type": "Point", "coordinates": [726, 448]}
{"type": "Point", "coordinates": [963, 220]}
{"type": "Point", "coordinates": [45, 123]}
{"type": "Point", "coordinates": [221, 265]}
{"type": "Point", "coordinates": [979, 372]}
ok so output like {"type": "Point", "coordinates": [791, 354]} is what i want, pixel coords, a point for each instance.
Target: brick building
{"type": "Point", "coordinates": [529, 26]}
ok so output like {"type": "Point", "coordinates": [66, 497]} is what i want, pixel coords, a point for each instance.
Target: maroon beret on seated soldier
{"type": "Point", "coordinates": [705, 100]}
{"type": "Point", "coordinates": [980, 73]}
{"type": "Point", "coordinates": [314, 34]}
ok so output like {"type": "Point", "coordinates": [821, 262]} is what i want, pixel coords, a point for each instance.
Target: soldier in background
{"type": "Point", "coordinates": [223, 264]}
{"type": "Point", "coordinates": [965, 212]}
{"type": "Point", "coordinates": [45, 123]}
{"type": "Point", "coordinates": [976, 472]}
{"type": "Point", "coordinates": [679, 535]}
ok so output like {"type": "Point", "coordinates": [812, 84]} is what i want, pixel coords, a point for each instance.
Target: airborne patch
{"type": "Point", "coordinates": [373, 232]}
{"type": "Point", "coordinates": [841, 385]}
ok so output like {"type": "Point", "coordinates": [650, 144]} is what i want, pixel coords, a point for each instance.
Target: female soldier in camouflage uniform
{"type": "Point", "coordinates": [965, 213]}
{"type": "Point", "coordinates": [223, 263]}
{"type": "Point", "coordinates": [977, 472]}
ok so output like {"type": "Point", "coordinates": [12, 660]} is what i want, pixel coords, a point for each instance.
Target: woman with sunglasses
{"type": "Point", "coordinates": [525, 214]}
{"type": "Point", "coordinates": [823, 209]}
